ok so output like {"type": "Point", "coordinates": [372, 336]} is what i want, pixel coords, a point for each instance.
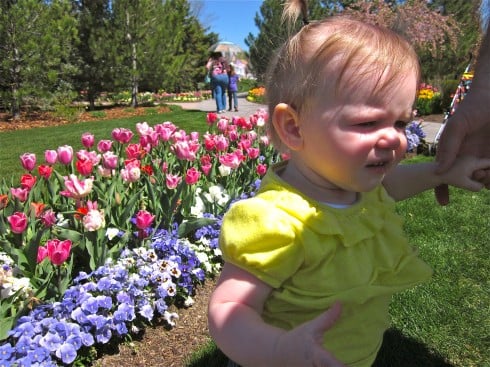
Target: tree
{"type": "Point", "coordinates": [36, 50]}
{"type": "Point", "coordinates": [272, 32]}
{"type": "Point", "coordinates": [176, 52]}
{"type": "Point", "coordinates": [432, 33]}
{"type": "Point", "coordinates": [95, 48]}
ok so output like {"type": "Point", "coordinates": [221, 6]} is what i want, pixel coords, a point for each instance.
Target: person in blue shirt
{"type": "Point", "coordinates": [233, 80]}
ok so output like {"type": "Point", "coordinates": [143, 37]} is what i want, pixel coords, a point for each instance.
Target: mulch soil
{"type": "Point", "coordinates": [160, 346]}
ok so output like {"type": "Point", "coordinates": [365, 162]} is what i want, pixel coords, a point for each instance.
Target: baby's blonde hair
{"type": "Point", "coordinates": [322, 51]}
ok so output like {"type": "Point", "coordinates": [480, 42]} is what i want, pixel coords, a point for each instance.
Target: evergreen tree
{"type": "Point", "coordinates": [36, 51]}
{"type": "Point", "coordinates": [176, 51]}
{"type": "Point", "coordinates": [272, 32]}
{"type": "Point", "coordinates": [95, 48]}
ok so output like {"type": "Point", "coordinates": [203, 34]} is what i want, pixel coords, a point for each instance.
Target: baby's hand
{"type": "Point", "coordinates": [466, 173]}
{"type": "Point", "coordinates": [302, 346]}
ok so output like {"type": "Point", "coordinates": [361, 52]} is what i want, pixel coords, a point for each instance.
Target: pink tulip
{"type": "Point", "coordinates": [172, 181]}
{"type": "Point", "coordinates": [231, 160]}
{"type": "Point", "coordinates": [76, 188]}
{"type": "Point", "coordinates": [135, 151]}
{"type": "Point", "coordinates": [88, 140]}
{"type": "Point", "coordinates": [105, 172]}
{"type": "Point", "coordinates": [89, 155]}
{"type": "Point", "coordinates": [50, 156]}
{"type": "Point", "coordinates": [192, 176]}
{"type": "Point", "coordinates": [58, 251]}
{"type": "Point", "coordinates": [149, 141]}
{"type": "Point", "coordinates": [104, 146]}
{"type": "Point", "coordinates": [261, 169]}
{"type": "Point", "coordinates": [28, 161]}
{"type": "Point", "coordinates": [110, 160]}
{"type": "Point", "coordinates": [264, 140]}
{"type": "Point", "coordinates": [144, 219]}
{"type": "Point", "coordinates": [253, 153]}
{"type": "Point", "coordinates": [20, 193]}
{"type": "Point", "coordinates": [42, 253]}
{"type": "Point", "coordinates": [65, 154]}
{"type": "Point", "coordinates": [143, 128]}
{"type": "Point", "coordinates": [94, 219]}
{"type": "Point", "coordinates": [206, 168]}
{"type": "Point", "coordinates": [48, 218]}
{"type": "Point", "coordinates": [27, 181]}
{"type": "Point", "coordinates": [222, 143]}
{"type": "Point", "coordinates": [131, 174]}
{"type": "Point", "coordinates": [18, 222]}
{"type": "Point", "coordinates": [223, 124]}
{"type": "Point", "coordinates": [122, 135]}
{"type": "Point", "coordinates": [45, 171]}
{"type": "Point", "coordinates": [165, 130]}
{"type": "Point", "coordinates": [184, 151]}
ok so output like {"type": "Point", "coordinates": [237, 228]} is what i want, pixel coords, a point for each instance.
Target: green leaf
{"type": "Point", "coordinates": [193, 224]}
{"type": "Point", "coordinates": [69, 234]}
{"type": "Point", "coordinates": [6, 324]}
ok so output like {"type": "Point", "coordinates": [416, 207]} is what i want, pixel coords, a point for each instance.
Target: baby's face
{"type": "Point", "coordinates": [352, 138]}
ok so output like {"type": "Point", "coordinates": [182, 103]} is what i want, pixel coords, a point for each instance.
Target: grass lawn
{"type": "Point", "coordinates": [14, 143]}
{"type": "Point", "coordinates": [445, 322]}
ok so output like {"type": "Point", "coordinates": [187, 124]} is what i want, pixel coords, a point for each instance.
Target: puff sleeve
{"type": "Point", "coordinates": [263, 240]}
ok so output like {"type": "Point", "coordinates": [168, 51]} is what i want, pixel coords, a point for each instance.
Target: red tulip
{"type": "Point", "coordinates": [84, 166]}
{"type": "Point", "coordinates": [27, 181]}
{"type": "Point", "coordinates": [45, 171]}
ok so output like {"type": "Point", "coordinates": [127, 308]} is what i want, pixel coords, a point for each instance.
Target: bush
{"type": "Point", "coordinates": [448, 88]}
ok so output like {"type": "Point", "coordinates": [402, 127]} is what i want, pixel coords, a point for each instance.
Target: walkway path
{"type": "Point", "coordinates": [246, 108]}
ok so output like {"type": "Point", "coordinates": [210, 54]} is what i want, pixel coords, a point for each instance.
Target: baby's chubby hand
{"type": "Point", "coordinates": [302, 346]}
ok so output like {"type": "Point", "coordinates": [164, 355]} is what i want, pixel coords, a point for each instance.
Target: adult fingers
{"type": "Point", "coordinates": [442, 194]}
{"type": "Point", "coordinates": [448, 145]}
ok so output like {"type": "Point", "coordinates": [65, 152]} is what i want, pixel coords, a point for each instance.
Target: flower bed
{"type": "Point", "coordinates": [97, 242]}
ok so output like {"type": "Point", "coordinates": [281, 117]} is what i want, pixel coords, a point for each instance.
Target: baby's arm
{"type": "Point", "coordinates": [235, 323]}
{"type": "Point", "coordinates": [408, 180]}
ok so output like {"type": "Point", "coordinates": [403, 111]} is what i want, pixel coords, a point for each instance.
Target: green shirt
{"type": "Point", "coordinates": [313, 255]}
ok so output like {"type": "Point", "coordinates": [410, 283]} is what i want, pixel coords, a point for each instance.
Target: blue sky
{"type": "Point", "coordinates": [233, 20]}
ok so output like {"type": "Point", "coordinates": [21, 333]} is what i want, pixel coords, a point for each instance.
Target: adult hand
{"type": "Point", "coordinates": [467, 132]}
{"type": "Point", "coordinates": [303, 346]}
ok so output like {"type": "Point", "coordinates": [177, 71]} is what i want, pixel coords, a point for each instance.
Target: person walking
{"type": "Point", "coordinates": [217, 70]}
{"type": "Point", "coordinates": [233, 80]}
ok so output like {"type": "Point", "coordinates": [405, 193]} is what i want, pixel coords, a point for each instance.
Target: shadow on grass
{"type": "Point", "coordinates": [397, 350]}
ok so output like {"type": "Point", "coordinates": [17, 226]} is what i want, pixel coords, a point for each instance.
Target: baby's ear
{"type": "Point", "coordinates": [286, 123]}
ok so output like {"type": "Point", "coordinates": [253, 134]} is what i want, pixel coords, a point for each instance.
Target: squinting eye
{"type": "Point", "coordinates": [368, 124]}
{"type": "Point", "coordinates": [401, 124]}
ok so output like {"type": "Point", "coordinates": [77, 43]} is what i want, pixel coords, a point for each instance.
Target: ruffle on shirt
{"type": "Point", "coordinates": [353, 225]}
